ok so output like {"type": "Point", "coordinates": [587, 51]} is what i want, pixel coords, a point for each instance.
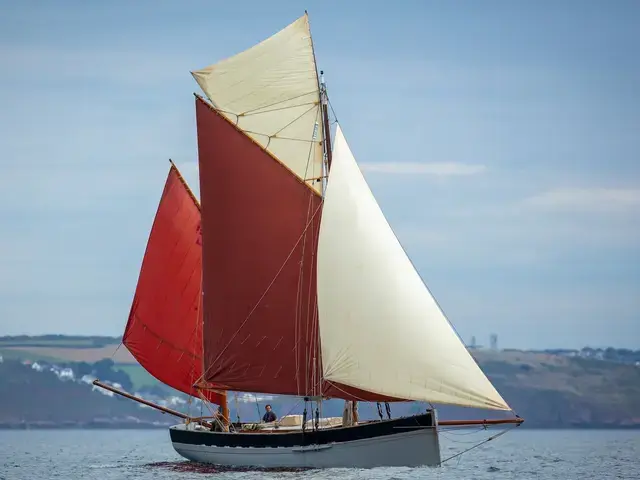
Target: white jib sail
{"type": "Point", "coordinates": [271, 92]}
{"type": "Point", "coordinates": [380, 328]}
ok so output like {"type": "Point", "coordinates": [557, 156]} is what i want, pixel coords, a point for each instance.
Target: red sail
{"type": "Point", "coordinates": [261, 317]}
{"type": "Point", "coordinates": [258, 275]}
{"type": "Point", "coordinates": [164, 331]}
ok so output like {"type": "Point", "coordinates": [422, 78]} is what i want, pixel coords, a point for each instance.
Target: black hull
{"type": "Point", "coordinates": [365, 431]}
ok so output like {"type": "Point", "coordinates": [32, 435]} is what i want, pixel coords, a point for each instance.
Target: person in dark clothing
{"type": "Point", "coordinates": [216, 423]}
{"type": "Point", "coordinates": [269, 416]}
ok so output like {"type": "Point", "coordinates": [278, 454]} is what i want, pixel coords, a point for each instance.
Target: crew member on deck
{"type": "Point", "coordinates": [269, 416]}
{"type": "Point", "coordinates": [218, 418]}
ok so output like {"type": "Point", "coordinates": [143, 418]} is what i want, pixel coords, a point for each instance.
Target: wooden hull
{"type": "Point", "coordinates": [403, 442]}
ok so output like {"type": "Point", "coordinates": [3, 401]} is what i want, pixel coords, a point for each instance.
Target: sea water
{"type": "Point", "coordinates": [148, 454]}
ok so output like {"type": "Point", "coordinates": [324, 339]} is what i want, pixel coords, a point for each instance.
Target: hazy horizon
{"type": "Point", "coordinates": [479, 343]}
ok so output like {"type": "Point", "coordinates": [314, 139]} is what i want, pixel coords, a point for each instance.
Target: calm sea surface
{"type": "Point", "coordinates": [520, 454]}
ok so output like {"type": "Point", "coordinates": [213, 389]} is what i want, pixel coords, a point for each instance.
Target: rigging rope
{"type": "Point", "coordinates": [241, 326]}
{"type": "Point", "coordinates": [237, 406]}
{"type": "Point", "coordinates": [300, 315]}
{"type": "Point", "coordinates": [332, 110]}
{"type": "Point", "coordinates": [255, 110]}
{"type": "Point", "coordinates": [261, 110]}
{"type": "Point", "coordinates": [118, 348]}
{"type": "Point", "coordinates": [493, 437]}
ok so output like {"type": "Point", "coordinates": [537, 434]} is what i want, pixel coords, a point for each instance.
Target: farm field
{"type": "Point", "coordinates": [138, 375]}
{"type": "Point", "coordinates": [70, 354]}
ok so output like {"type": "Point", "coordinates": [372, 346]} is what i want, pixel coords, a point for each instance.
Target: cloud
{"type": "Point", "coordinates": [438, 169]}
{"type": "Point", "coordinates": [252, 398]}
{"type": "Point", "coordinates": [586, 199]}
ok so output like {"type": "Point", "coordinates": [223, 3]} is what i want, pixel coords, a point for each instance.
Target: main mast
{"type": "Point", "coordinates": [350, 412]}
{"type": "Point", "coordinates": [324, 100]}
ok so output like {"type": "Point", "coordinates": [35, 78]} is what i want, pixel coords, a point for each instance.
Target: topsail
{"type": "Point", "coordinates": [271, 93]}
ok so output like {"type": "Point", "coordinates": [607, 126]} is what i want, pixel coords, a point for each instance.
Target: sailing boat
{"type": "Point", "coordinates": [287, 279]}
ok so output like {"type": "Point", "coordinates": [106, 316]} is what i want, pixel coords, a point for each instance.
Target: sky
{"type": "Point", "coordinates": [501, 140]}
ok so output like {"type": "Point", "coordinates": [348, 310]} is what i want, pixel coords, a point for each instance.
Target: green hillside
{"type": "Point", "coordinates": [41, 400]}
{"type": "Point", "coordinates": [140, 378]}
{"type": "Point", "coordinates": [550, 390]}
{"type": "Point", "coordinates": [64, 341]}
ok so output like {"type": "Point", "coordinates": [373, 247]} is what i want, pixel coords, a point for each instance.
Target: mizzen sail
{"type": "Point", "coordinates": [271, 93]}
{"type": "Point", "coordinates": [380, 328]}
{"type": "Point", "coordinates": [164, 330]}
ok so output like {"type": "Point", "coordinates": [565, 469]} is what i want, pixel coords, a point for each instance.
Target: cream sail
{"type": "Point", "coordinates": [380, 328]}
{"type": "Point", "coordinates": [271, 92]}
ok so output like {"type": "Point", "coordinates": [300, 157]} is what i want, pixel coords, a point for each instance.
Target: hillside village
{"type": "Point", "coordinates": [587, 388]}
{"type": "Point", "coordinates": [609, 354]}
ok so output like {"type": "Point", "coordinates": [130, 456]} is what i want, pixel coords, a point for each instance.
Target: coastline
{"type": "Point", "coordinates": [130, 425]}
